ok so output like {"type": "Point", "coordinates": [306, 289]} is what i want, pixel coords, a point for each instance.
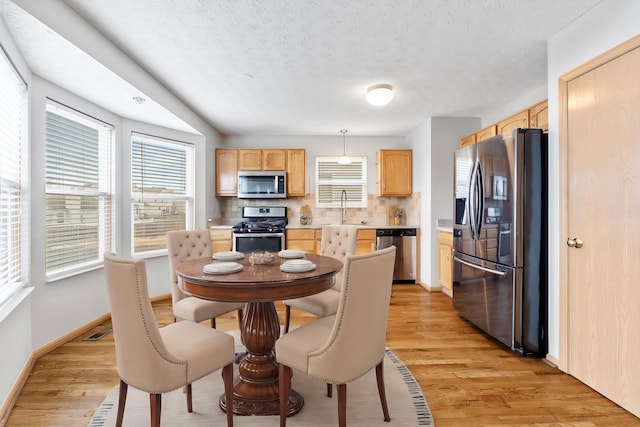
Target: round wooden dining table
{"type": "Point", "coordinates": [255, 389]}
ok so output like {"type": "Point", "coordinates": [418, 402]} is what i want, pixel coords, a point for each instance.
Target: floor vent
{"type": "Point", "coordinates": [98, 335]}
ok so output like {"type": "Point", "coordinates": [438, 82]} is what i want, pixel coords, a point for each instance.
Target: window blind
{"type": "Point", "coordinates": [13, 98]}
{"type": "Point", "coordinates": [332, 178]}
{"type": "Point", "coordinates": [161, 190]}
{"type": "Point", "coordinates": [79, 186]}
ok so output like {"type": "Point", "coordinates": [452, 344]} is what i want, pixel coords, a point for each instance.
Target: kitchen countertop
{"type": "Point", "coordinates": [445, 225]}
{"type": "Point", "coordinates": [316, 226]}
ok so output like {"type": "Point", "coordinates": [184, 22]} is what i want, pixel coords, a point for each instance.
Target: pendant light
{"type": "Point", "coordinates": [344, 160]}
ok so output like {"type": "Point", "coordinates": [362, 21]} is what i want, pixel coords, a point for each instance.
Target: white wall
{"type": "Point", "coordinates": [445, 140]}
{"type": "Point", "coordinates": [604, 27]}
{"type": "Point", "coordinates": [55, 309]}
{"type": "Point", "coordinates": [522, 103]}
{"type": "Point", "coordinates": [433, 144]}
{"type": "Point", "coordinates": [15, 327]}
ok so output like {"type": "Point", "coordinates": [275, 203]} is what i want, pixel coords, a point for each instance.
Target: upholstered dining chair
{"type": "Point", "coordinates": [184, 245]}
{"type": "Point", "coordinates": [341, 348]}
{"type": "Point", "coordinates": [337, 241]}
{"type": "Point", "coordinates": [159, 360]}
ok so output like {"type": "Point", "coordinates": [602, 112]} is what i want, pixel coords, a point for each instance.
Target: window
{"type": "Point", "coordinates": [13, 98]}
{"type": "Point", "coordinates": [78, 191]}
{"type": "Point", "coordinates": [161, 191]}
{"type": "Point", "coordinates": [332, 178]}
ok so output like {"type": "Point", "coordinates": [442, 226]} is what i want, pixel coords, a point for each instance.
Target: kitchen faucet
{"type": "Point", "coordinates": [343, 206]}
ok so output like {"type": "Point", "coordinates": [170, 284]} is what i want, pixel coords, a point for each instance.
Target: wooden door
{"type": "Point", "coordinates": [296, 184]}
{"type": "Point", "coordinates": [603, 202]}
{"type": "Point", "coordinates": [226, 172]}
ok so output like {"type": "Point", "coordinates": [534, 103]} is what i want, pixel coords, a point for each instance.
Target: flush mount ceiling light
{"type": "Point", "coordinates": [344, 160]}
{"type": "Point", "coordinates": [380, 94]}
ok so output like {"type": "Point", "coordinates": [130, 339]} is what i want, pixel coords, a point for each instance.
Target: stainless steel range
{"type": "Point", "coordinates": [262, 228]}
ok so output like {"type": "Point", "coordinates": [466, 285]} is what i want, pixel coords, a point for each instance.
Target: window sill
{"type": "Point", "coordinates": [13, 302]}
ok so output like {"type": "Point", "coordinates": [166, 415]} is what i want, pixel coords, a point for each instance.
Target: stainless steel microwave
{"type": "Point", "coordinates": [262, 185]}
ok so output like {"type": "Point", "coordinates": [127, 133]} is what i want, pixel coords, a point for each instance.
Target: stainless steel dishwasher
{"type": "Point", "coordinates": [404, 239]}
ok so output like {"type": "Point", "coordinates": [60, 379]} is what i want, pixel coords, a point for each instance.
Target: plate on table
{"type": "Point", "coordinates": [297, 266]}
{"type": "Point", "coordinates": [222, 268]}
{"type": "Point", "coordinates": [228, 255]}
{"type": "Point", "coordinates": [291, 253]}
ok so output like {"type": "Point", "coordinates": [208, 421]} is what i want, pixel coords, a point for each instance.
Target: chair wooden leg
{"type": "Point", "coordinates": [287, 317]}
{"type": "Point", "coordinates": [381, 392]}
{"type": "Point", "coordinates": [189, 399]}
{"type": "Point", "coordinates": [342, 405]}
{"type": "Point", "coordinates": [240, 318]}
{"type": "Point", "coordinates": [213, 322]}
{"type": "Point", "coordinates": [122, 398]}
{"type": "Point", "coordinates": [284, 387]}
{"type": "Point", "coordinates": [329, 390]}
{"type": "Point", "coordinates": [227, 377]}
{"type": "Point", "coordinates": [155, 401]}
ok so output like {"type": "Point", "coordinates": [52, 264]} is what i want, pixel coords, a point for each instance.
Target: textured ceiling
{"type": "Point", "coordinates": [302, 66]}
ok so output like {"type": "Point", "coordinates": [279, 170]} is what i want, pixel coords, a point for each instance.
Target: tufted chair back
{"type": "Point", "coordinates": [338, 241]}
{"type": "Point", "coordinates": [183, 245]}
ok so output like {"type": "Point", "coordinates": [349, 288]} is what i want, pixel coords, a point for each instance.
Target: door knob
{"type": "Point", "coordinates": [575, 243]}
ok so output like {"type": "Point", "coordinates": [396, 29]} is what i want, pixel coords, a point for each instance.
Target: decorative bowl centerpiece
{"type": "Point", "coordinates": [261, 258]}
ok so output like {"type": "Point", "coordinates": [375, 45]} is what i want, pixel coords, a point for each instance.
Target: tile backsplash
{"type": "Point", "coordinates": [379, 211]}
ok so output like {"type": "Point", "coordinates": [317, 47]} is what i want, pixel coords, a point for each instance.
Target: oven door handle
{"type": "Point", "coordinates": [258, 234]}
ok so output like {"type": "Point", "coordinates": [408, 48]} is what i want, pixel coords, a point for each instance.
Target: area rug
{"type": "Point", "coordinates": [407, 404]}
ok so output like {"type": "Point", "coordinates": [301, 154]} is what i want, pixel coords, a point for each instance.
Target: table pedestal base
{"type": "Point", "coordinates": [269, 407]}
{"type": "Point", "coordinates": [256, 389]}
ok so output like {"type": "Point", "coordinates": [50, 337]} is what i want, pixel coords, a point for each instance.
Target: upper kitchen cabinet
{"type": "Point", "coordinates": [481, 135]}
{"type": "Point", "coordinates": [486, 133]}
{"type": "Point", "coordinates": [394, 172]}
{"type": "Point", "coordinates": [226, 172]}
{"type": "Point", "coordinates": [230, 160]}
{"type": "Point", "coordinates": [520, 120]}
{"type": "Point", "coordinates": [468, 140]}
{"type": "Point", "coordinates": [262, 160]}
{"type": "Point", "coordinates": [296, 185]}
{"type": "Point", "coordinates": [539, 116]}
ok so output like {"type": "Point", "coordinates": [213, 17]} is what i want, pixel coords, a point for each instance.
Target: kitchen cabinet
{"type": "Point", "coordinates": [230, 161]}
{"type": "Point", "coordinates": [226, 172]}
{"type": "Point", "coordinates": [221, 240]}
{"type": "Point", "coordinates": [445, 262]}
{"type": "Point", "coordinates": [394, 173]}
{"type": "Point", "coordinates": [259, 160]}
{"type": "Point", "coordinates": [534, 117]}
{"type": "Point", "coordinates": [366, 241]}
{"type": "Point", "coordinates": [302, 239]}
{"type": "Point", "coordinates": [519, 120]}
{"type": "Point", "coordinates": [481, 135]}
{"type": "Point", "coordinates": [485, 133]}
{"type": "Point", "coordinates": [539, 116]}
{"type": "Point", "coordinates": [468, 140]}
{"type": "Point", "coordinates": [296, 161]}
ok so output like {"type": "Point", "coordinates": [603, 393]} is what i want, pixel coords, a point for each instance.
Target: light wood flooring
{"type": "Point", "coordinates": [468, 379]}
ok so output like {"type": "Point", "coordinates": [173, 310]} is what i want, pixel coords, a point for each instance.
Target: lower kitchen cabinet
{"type": "Point", "coordinates": [221, 240]}
{"type": "Point", "coordinates": [302, 239]}
{"type": "Point", "coordinates": [366, 241]}
{"type": "Point", "coordinates": [445, 261]}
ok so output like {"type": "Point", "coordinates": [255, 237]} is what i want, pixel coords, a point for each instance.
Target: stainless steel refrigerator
{"type": "Point", "coordinates": [500, 238]}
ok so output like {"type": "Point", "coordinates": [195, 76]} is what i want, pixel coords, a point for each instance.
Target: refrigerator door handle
{"type": "Point", "coordinates": [479, 200]}
{"type": "Point", "coordinates": [473, 202]}
{"type": "Point", "coordinates": [479, 267]}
